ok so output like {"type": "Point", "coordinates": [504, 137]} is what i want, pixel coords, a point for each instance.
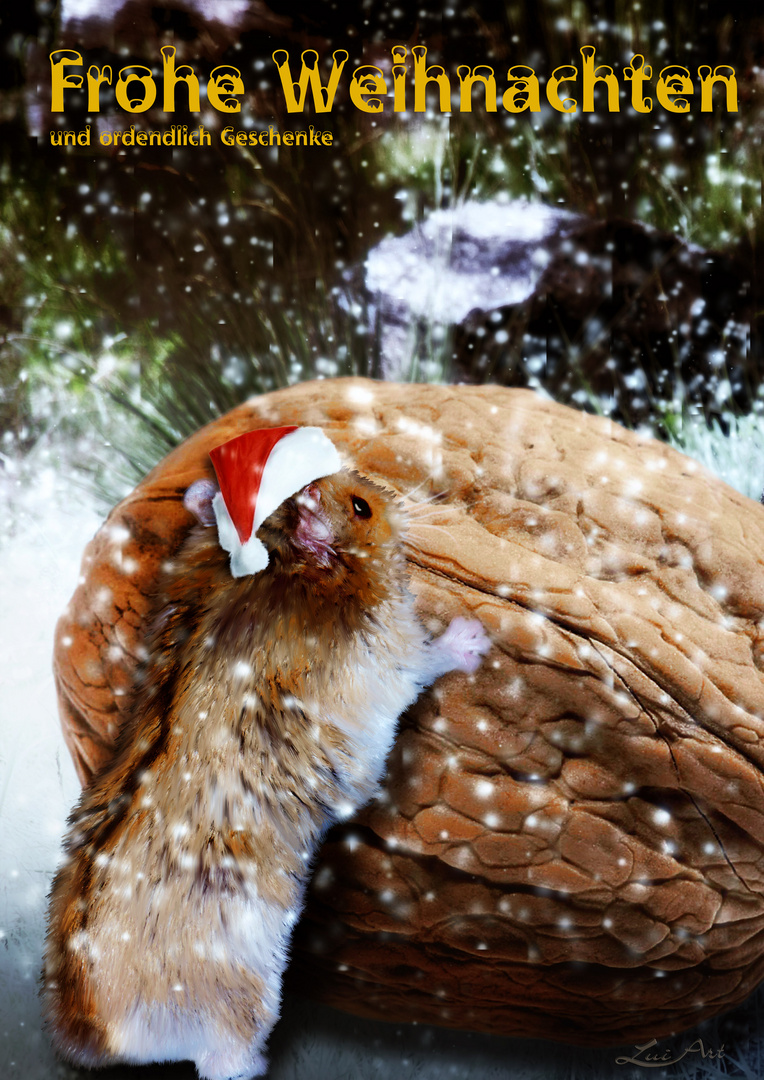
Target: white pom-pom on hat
{"type": "Point", "coordinates": [257, 471]}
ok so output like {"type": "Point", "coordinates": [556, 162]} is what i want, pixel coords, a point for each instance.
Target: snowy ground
{"type": "Point", "coordinates": [43, 529]}
{"type": "Point", "coordinates": [42, 535]}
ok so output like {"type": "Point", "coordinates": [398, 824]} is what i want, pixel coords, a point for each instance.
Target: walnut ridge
{"type": "Point", "coordinates": [571, 841]}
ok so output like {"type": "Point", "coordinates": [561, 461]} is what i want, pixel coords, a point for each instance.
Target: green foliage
{"type": "Point", "coordinates": [146, 293]}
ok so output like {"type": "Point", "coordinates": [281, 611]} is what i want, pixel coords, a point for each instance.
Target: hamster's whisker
{"type": "Point", "coordinates": [423, 509]}
{"type": "Point", "coordinates": [425, 504]}
{"type": "Point", "coordinates": [428, 525]}
{"type": "Point", "coordinates": [409, 539]}
{"type": "Point", "coordinates": [410, 542]}
{"type": "Point", "coordinates": [409, 494]}
{"type": "Point", "coordinates": [421, 519]}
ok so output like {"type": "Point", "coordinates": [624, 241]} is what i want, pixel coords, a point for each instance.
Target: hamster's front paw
{"type": "Point", "coordinates": [465, 642]}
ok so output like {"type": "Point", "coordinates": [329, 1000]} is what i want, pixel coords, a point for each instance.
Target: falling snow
{"type": "Point", "coordinates": [438, 276]}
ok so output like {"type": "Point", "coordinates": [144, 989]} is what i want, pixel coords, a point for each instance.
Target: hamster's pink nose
{"type": "Point", "coordinates": [313, 533]}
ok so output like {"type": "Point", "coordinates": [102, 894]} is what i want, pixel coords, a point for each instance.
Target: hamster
{"type": "Point", "coordinates": [264, 714]}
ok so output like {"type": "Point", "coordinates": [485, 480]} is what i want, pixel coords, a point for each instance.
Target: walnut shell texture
{"type": "Point", "coordinates": [570, 843]}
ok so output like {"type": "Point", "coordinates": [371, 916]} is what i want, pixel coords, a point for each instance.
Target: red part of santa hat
{"type": "Point", "coordinates": [256, 472]}
{"type": "Point", "coordinates": [239, 465]}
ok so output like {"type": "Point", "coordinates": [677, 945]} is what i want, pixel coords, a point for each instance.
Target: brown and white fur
{"type": "Point", "coordinates": [264, 714]}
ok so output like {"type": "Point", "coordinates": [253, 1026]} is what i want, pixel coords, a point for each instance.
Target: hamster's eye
{"type": "Point", "coordinates": [361, 507]}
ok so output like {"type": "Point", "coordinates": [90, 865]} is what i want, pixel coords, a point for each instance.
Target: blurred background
{"type": "Point", "coordinates": [612, 260]}
{"type": "Point", "coordinates": [146, 291]}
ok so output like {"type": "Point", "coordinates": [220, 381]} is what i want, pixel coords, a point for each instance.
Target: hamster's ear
{"type": "Point", "coordinates": [198, 501]}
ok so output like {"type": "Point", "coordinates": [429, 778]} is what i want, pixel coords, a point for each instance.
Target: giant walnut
{"type": "Point", "coordinates": [570, 843]}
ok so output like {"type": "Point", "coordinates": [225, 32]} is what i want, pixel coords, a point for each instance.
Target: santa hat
{"type": "Point", "coordinates": [257, 471]}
